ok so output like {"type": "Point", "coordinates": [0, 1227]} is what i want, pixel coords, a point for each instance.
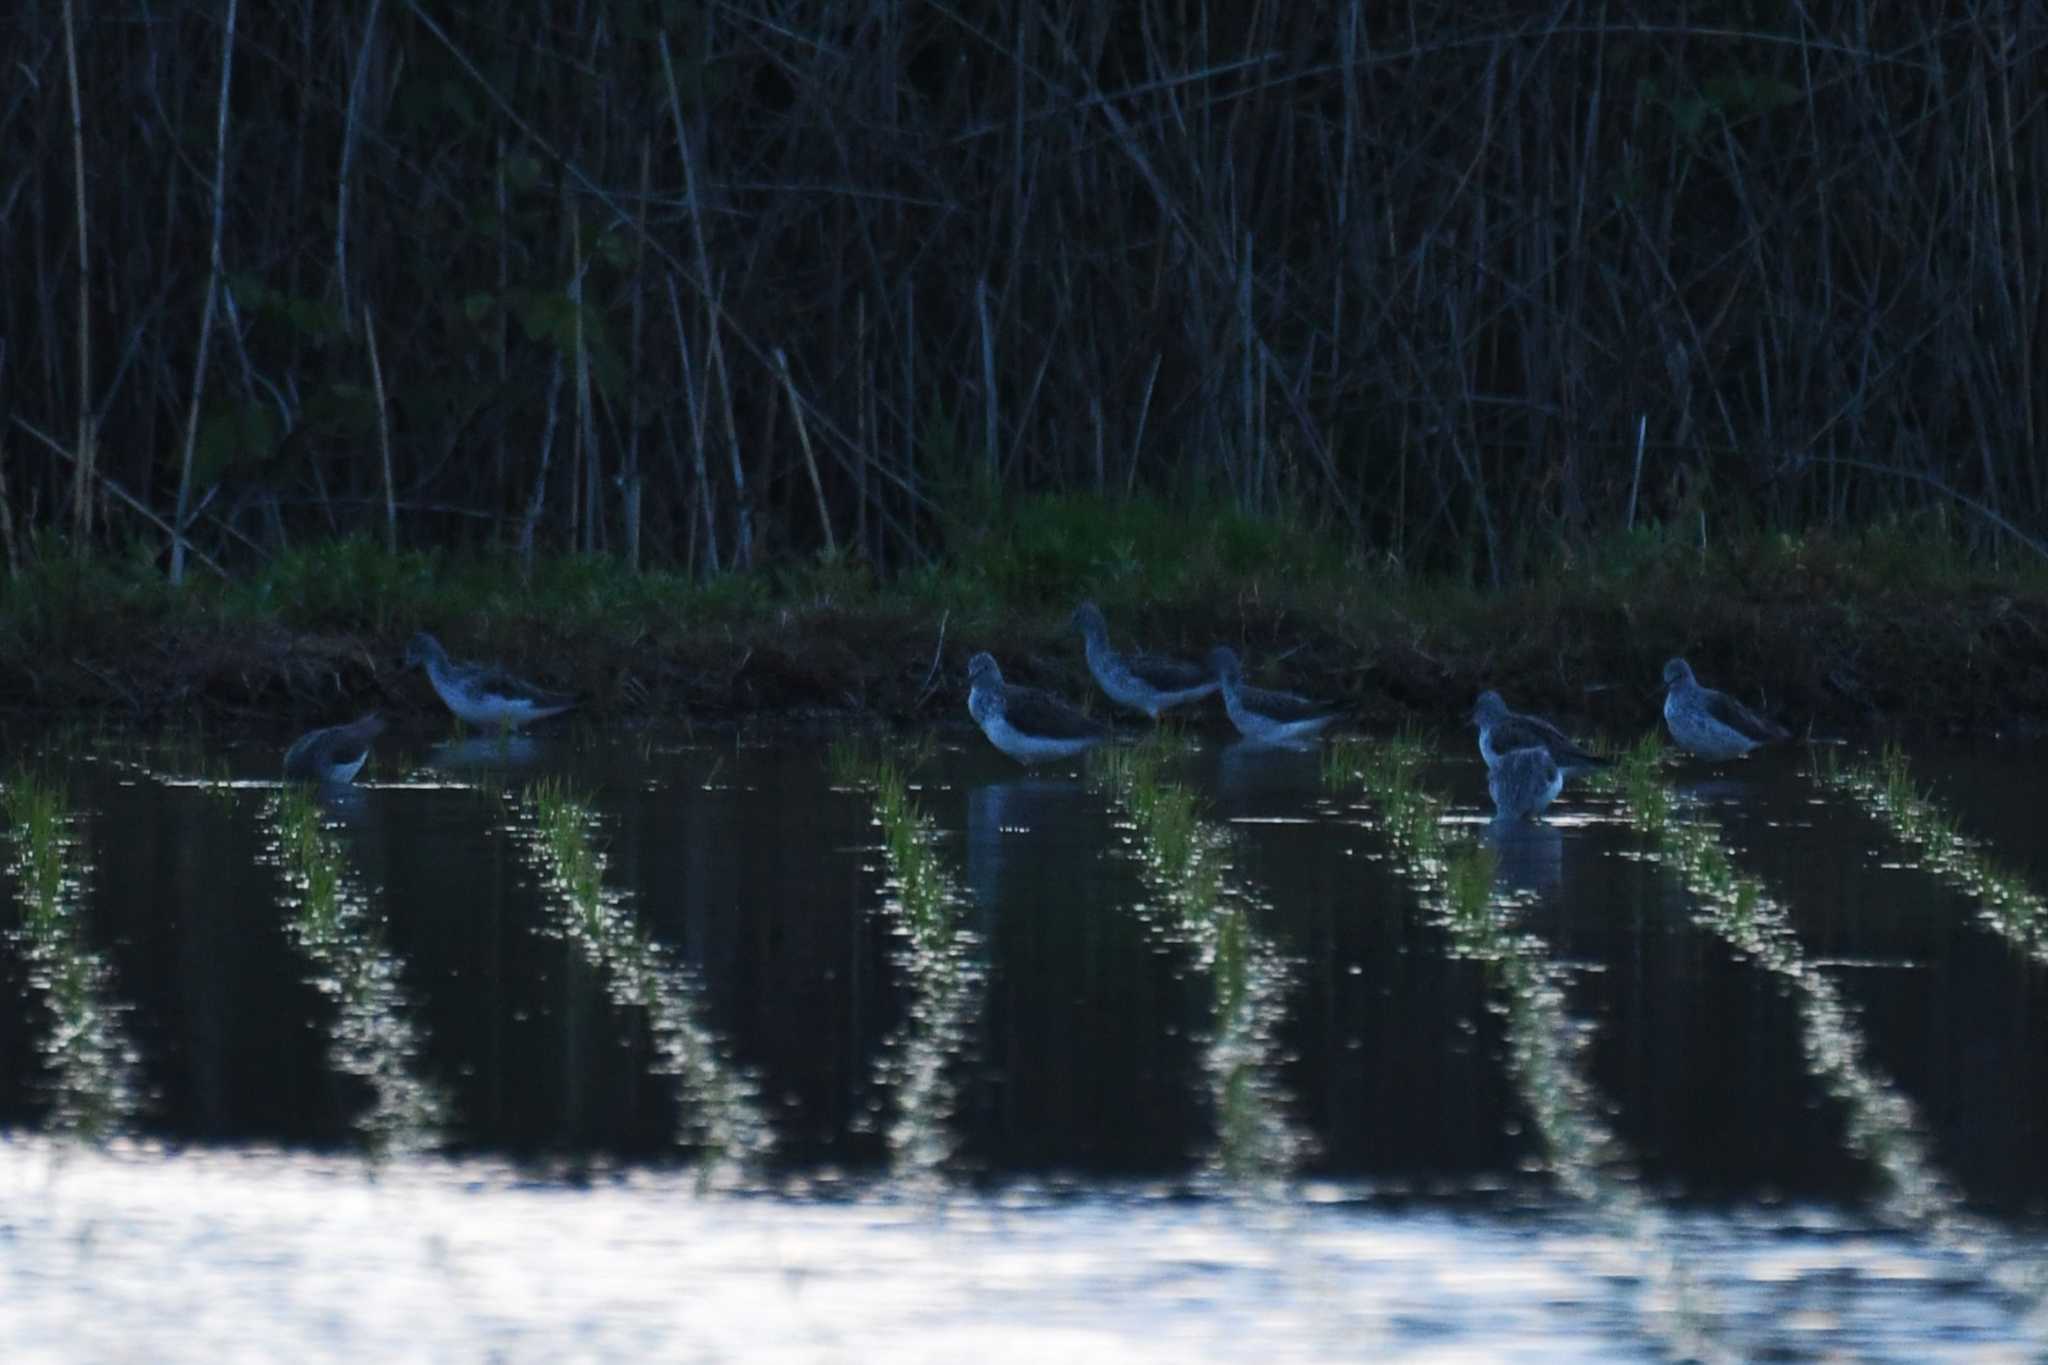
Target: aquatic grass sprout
{"type": "Point", "coordinates": [723, 1117]}
{"type": "Point", "coordinates": [1885, 790]}
{"type": "Point", "coordinates": [1547, 1049]}
{"type": "Point", "coordinates": [940, 956]}
{"type": "Point", "coordinates": [1184, 858]}
{"type": "Point", "coordinates": [310, 857]}
{"type": "Point", "coordinates": [845, 762]}
{"type": "Point", "coordinates": [1183, 853]}
{"type": "Point", "coordinates": [1636, 778]}
{"type": "Point", "coordinates": [562, 820]}
{"type": "Point", "coordinates": [91, 1061]}
{"type": "Point", "coordinates": [1882, 1125]}
{"type": "Point", "coordinates": [374, 1036]}
{"type": "Point", "coordinates": [37, 818]}
{"type": "Point", "coordinates": [1468, 883]}
{"type": "Point", "coordinates": [1455, 876]}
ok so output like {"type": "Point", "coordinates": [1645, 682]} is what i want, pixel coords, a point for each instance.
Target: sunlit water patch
{"type": "Point", "coordinates": [375, 1037]}
{"type": "Point", "coordinates": [721, 1112]}
{"type": "Point", "coordinates": [1883, 1125]}
{"type": "Point", "coordinates": [1885, 788]}
{"type": "Point", "coordinates": [1457, 875]}
{"type": "Point", "coordinates": [89, 1058]}
{"type": "Point", "coordinates": [1472, 1080]}
{"type": "Point", "coordinates": [203, 1257]}
{"type": "Point", "coordinates": [941, 960]}
{"type": "Point", "coordinates": [1205, 905]}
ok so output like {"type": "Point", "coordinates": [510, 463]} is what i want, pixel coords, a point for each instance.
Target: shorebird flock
{"type": "Point", "coordinates": [1527, 757]}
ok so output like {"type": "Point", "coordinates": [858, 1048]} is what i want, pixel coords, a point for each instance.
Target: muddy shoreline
{"type": "Point", "coordinates": [1969, 663]}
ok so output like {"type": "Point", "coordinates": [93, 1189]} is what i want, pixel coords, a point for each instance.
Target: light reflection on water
{"type": "Point", "coordinates": [1206, 906]}
{"type": "Point", "coordinates": [373, 1035]}
{"type": "Point", "coordinates": [1068, 1020]}
{"type": "Point", "coordinates": [202, 1256]}
{"type": "Point", "coordinates": [720, 1107]}
{"type": "Point", "coordinates": [89, 1057]}
{"type": "Point", "coordinates": [941, 961]}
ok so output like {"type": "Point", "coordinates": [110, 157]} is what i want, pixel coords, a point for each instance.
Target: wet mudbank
{"type": "Point", "coordinates": [1948, 661]}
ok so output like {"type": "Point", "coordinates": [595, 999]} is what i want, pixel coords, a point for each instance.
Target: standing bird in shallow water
{"type": "Point", "coordinates": [1502, 731]}
{"type": "Point", "coordinates": [1523, 781]}
{"type": "Point", "coordinates": [1261, 716]}
{"type": "Point", "coordinates": [482, 694]}
{"type": "Point", "coordinates": [333, 755]}
{"type": "Point", "coordinates": [1708, 723]}
{"type": "Point", "coordinates": [1143, 682]}
{"type": "Point", "coordinates": [1025, 723]}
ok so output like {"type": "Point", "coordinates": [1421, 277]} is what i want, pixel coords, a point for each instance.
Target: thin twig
{"type": "Point", "coordinates": [925, 688]}
{"type": "Point", "coordinates": [183, 517]}
{"type": "Point", "coordinates": [803, 436]}
{"type": "Point", "coordinates": [383, 433]}
{"type": "Point", "coordinates": [103, 481]}
{"type": "Point", "coordinates": [83, 467]}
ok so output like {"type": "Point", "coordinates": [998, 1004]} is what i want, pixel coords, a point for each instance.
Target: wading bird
{"type": "Point", "coordinates": [1143, 682]}
{"type": "Point", "coordinates": [1263, 716]}
{"type": "Point", "coordinates": [1502, 731]}
{"type": "Point", "coordinates": [334, 754]}
{"type": "Point", "coordinates": [1523, 782]}
{"type": "Point", "coordinates": [1708, 723]}
{"type": "Point", "coordinates": [482, 694]}
{"type": "Point", "coordinates": [1025, 723]}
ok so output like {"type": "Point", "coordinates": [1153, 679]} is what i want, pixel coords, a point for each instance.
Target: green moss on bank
{"type": "Point", "coordinates": [1886, 628]}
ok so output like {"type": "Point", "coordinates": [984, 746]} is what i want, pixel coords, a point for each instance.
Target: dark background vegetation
{"type": "Point", "coordinates": [703, 285]}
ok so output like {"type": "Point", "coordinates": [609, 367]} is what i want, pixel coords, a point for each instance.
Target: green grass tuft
{"type": "Point", "coordinates": [1637, 777]}
{"type": "Point", "coordinates": [311, 858]}
{"type": "Point", "coordinates": [1468, 881]}
{"type": "Point", "coordinates": [562, 817]}
{"type": "Point", "coordinates": [90, 1059]}
{"type": "Point", "coordinates": [38, 811]}
{"type": "Point", "coordinates": [1184, 859]}
{"type": "Point", "coordinates": [721, 1111]}
{"type": "Point", "coordinates": [1886, 791]}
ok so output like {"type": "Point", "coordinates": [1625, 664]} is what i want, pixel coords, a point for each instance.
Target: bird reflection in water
{"type": "Point", "coordinates": [486, 753]}
{"type": "Point", "coordinates": [1007, 827]}
{"type": "Point", "coordinates": [1528, 854]}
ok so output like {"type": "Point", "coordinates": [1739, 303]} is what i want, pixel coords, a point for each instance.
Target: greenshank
{"type": "Point", "coordinates": [1263, 716]}
{"type": "Point", "coordinates": [482, 694]}
{"type": "Point", "coordinates": [1502, 731]}
{"type": "Point", "coordinates": [1025, 723]}
{"type": "Point", "coordinates": [1143, 682]}
{"type": "Point", "coordinates": [334, 754]}
{"type": "Point", "coordinates": [1708, 723]}
{"type": "Point", "coordinates": [1523, 781]}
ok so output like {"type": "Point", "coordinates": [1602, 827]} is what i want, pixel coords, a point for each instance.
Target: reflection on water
{"type": "Point", "coordinates": [721, 1110]}
{"type": "Point", "coordinates": [1459, 880]}
{"type": "Point", "coordinates": [508, 752]}
{"type": "Point", "coordinates": [89, 1061]}
{"type": "Point", "coordinates": [1885, 789]}
{"type": "Point", "coordinates": [1218, 979]}
{"type": "Point", "coordinates": [1882, 1124]}
{"type": "Point", "coordinates": [373, 1037]}
{"type": "Point", "coordinates": [202, 1257]}
{"type": "Point", "coordinates": [1247, 770]}
{"type": "Point", "coordinates": [1007, 823]}
{"type": "Point", "coordinates": [1185, 860]}
{"type": "Point", "coordinates": [1528, 855]}
{"type": "Point", "coordinates": [941, 961]}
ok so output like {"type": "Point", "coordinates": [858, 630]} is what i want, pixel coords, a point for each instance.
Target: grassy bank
{"type": "Point", "coordinates": [1886, 629]}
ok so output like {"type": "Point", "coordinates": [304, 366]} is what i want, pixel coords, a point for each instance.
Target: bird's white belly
{"type": "Point", "coordinates": [1031, 748]}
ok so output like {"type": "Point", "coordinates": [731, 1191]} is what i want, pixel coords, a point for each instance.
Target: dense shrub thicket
{"type": "Point", "coordinates": [699, 284]}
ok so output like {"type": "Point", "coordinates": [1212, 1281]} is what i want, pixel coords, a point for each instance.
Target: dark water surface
{"type": "Point", "coordinates": [1870, 1104]}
